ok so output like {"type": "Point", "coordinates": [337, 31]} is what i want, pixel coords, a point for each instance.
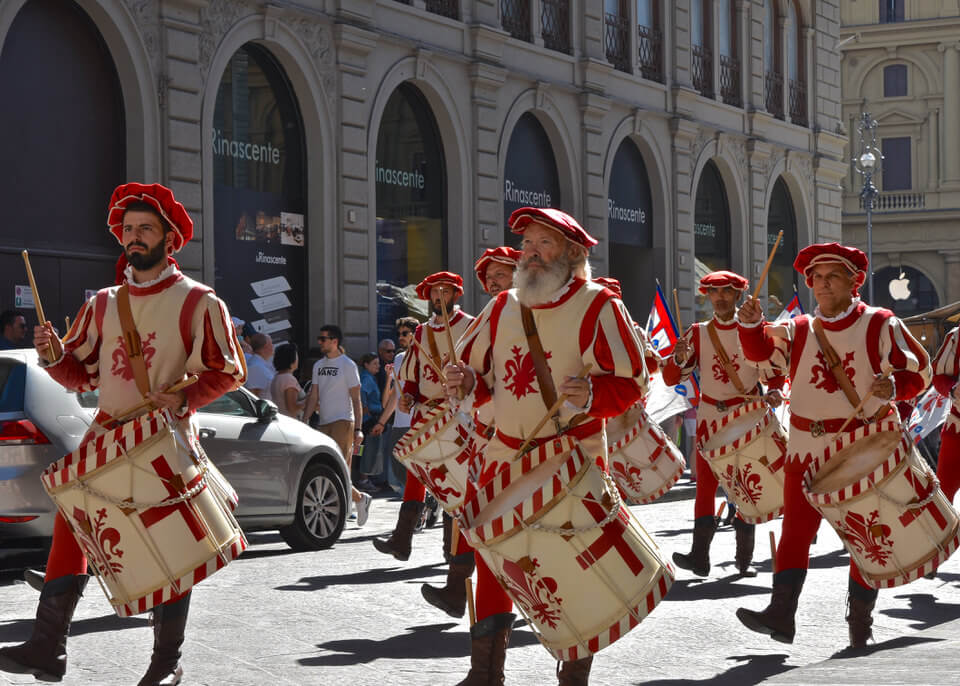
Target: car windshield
{"type": "Point", "coordinates": [13, 379]}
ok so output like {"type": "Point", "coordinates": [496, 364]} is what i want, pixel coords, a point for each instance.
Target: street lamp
{"type": "Point", "coordinates": [867, 165]}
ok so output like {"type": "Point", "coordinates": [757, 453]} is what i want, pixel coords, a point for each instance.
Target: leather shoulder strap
{"type": "Point", "coordinates": [725, 359]}
{"type": "Point", "coordinates": [833, 361]}
{"type": "Point", "coordinates": [547, 390]}
{"type": "Point", "coordinates": [432, 344]}
{"type": "Point", "coordinates": [131, 341]}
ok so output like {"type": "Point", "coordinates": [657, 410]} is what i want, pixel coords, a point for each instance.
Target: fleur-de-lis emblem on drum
{"type": "Point", "coordinates": [745, 484]}
{"type": "Point", "coordinates": [520, 373]}
{"type": "Point", "coordinates": [868, 536]}
{"type": "Point", "coordinates": [436, 481]}
{"type": "Point", "coordinates": [822, 376]}
{"type": "Point", "coordinates": [534, 593]}
{"type": "Point", "coordinates": [628, 476]}
{"type": "Point", "coordinates": [97, 536]}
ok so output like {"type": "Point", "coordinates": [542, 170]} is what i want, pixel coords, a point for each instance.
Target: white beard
{"type": "Point", "coordinates": [537, 287]}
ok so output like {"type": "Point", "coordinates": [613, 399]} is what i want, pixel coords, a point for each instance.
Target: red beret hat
{"type": "Point", "coordinates": [159, 197]}
{"type": "Point", "coordinates": [502, 255]}
{"type": "Point", "coordinates": [723, 278]}
{"type": "Point", "coordinates": [832, 253]}
{"type": "Point", "coordinates": [555, 219]}
{"type": "Point", "coordinates": [439, 279]}
{"type": "Point", "coordinates": [610, 284]}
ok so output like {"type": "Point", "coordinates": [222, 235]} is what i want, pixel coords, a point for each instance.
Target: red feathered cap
{"type": "Point", "coordinates": [439, 279]}
{"type": "Point", "coordinates": [555, 219]}
{"type": "Point", "coordinates": [502, 255]}
{"type": "Point", "coordinates": [832, 253]}
{"type": "Point", "coordinates": [157, 196]}
{"type": "Point", "coordinates": [610, 284]}
{"type": "Point", "coordinates": [723, 278]}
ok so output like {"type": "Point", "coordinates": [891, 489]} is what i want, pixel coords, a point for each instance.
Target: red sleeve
{"type": "Point", "coordinates": [908, 384]}
{"type": "Point", "coordinates": [613, 395]}
{"type": "Point", "coordinates": [757, 345]}
{"type": "Point", "coordinates": [944, 383]}
{"type": "Point", "coordinates": [671, 372]}
{"type": "Point", "coordinates": [69, 372]}
{"type": "Point", "coordinates": [775, 383]}
{"type": "Point", "coordinates": [210, 386]}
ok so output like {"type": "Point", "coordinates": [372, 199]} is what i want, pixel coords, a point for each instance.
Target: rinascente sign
{"type": "Point", "coordinates": [241, 150]}
{"type": "Point", "coordinates": [530, 174]}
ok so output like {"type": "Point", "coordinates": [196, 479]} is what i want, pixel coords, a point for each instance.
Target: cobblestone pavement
{"type": "Point", "coordinates": [350, 615]}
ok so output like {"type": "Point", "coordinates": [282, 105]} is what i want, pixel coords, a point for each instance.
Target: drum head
{"type": "Point", "coordinates": [855, 461]}
{"type": "Point", "coordinates": [734, 429]}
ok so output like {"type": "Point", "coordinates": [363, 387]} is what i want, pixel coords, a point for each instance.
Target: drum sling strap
{"type": "Point", "coordinates": [131, 341]}
{"type": "Point", "coordinates": [836, 368]}
{"type": "Point", "coordinates": [547, 390]}
{"type": "Point", "coordinates": [432, 344]}
{"type": "Point", "coordinates": [725, 359]}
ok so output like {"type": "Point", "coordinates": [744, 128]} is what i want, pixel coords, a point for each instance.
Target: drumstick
{"type": "Point", "coordinates": [556, 406]}
{"type": "Point", "coordinates": [429, 360]}
{"type": "Point", "coordinates": [454, 536]}
{"type": "Point", "coordinates": [773, 553]}
{"type": "Point", "coordinates": [453, 348]}
{"type": "Point", "coordinates": [863, 401]}
{"type": "Point", "coordinates": [66, 320]}
{"type": "Point", "coordinates": [676, 311]}
{"type": "Point", "coordinates": [766, 267]}
{"type": "Point", "coordinates": [51, 353]}
{"type": "Point", "coordinates": [468, 582]}
{"type": "Point", "coordinates": [148, 404]}
{"type": "Point", "coordinates": [720, 509]}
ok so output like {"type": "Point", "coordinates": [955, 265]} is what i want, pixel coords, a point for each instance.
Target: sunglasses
{"type": "Point", "coordinates": [405, 333]}
{"type": "Point", "coordinates": [325, 338]}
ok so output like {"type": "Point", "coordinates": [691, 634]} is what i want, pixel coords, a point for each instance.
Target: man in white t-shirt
{"type": "Point", "coordinates": [335, 395]}
{"type": "Point", "coordinates": [260, 371]}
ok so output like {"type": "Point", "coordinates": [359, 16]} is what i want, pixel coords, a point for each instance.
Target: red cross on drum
{"type": "Point", "coordinates": [147, 510]}
{"type": "Point", "coordinates": [574, 559]}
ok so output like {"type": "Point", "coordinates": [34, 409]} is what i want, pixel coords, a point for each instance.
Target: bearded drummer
{"type": "Point", "coordinates": [494, 271]}
{"type": "Point", "coordinates": [946, 373]}
{"type": "Point", "coordinates": [724, 386]}
{"type": "Point", "coordinates": [151, 226]}
{"type": "Point", "coordinates": [422, 391]}
{"type": "Point", "coordinates": [879, 358]}
{"type": "Point", "coordinates": [575, 322]}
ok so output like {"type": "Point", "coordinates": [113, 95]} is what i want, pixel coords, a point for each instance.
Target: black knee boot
{"type": "Point", "coordinates": [169, 622]}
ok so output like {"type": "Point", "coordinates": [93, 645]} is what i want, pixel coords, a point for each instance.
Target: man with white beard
{"type": "Point", "coordinates": [554, 313]}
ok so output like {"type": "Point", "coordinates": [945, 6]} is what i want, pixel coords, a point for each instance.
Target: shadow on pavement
{"type": "Point", "coordinates": [20, 629]}
{"type": "Point", "coordinates": [250, 554]}
{"type": "Point", "coordinates": [380, 575]}
{"type": "Point", "coordinates": [429, 641]}
{"type": "Point", "coordinates": [925, 610]}
{"type": "Point", "coordinates": [838, 558]}
{"type": "Point", "coordinates": [753, 669]}
{"type": "Point", "coordinates": [900, 642]}
{"type": "Point", "coordinates": [712, 589]}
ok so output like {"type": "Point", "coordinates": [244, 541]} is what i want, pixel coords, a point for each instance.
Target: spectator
{"type": "Point", "coordinates": [386, 382]}
{"type": "Point", "coordinates": [285, 389]}
{"type": "Point", "coordinates": [372, 404]}
{"type": "Point", "coordinates": [239, 328]}
{"type": "Point", "coordinates": [397, 474]}
{"type": "Point", "coordinates": [335, 394]}
{"type": "Point", "coordinates": [260, 371]}
{"type": "Point", "coordinates": [13, 330]}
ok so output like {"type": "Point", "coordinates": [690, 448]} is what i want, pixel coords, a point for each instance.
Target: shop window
{"type": "Point", "coordinates": [630, 223]}
{"type": "Point", "coordinates": [711, 228]}
{"type": "Point", "coordinates": [782, 278]}
{"type": "Point", "coordinates": [905, 290]}
{"type": "Point", "coordinates": [895, 171]}
{"type": "Point", "coordinates": [530, 173]}
{"type": "Point", "coordinates": [895, 81]}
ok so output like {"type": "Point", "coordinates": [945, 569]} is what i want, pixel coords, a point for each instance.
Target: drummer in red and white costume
{"type": "Point", "coordinates": [495, 269]}
{"type": "Point", "coordinates": [718, 396]}
{"type": "Point", "coordinates": [946, 372]}
{"type": "Point", "coordinates": [422, 390]}
{"type": "Point", "coordinates": [650, 356]}
{"type": "Point", "coordinates": [577, 322]}
{"type": "Point", "coordinates": [185, 329]}
{"type": "Point", "coordinates": [870, 343]}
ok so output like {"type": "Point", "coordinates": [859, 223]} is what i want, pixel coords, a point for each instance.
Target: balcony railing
{"type": "Point", "coordinates": [445, 8]}
{"type": "Point", "coordinates": [555, 24]}
{"type": "Point", "coordinates": [774, 94]}
{"type": "Point", "coordinates": [898, 201]}
{"type": "Point", "coordinates": [650, 53]}
{"type": "Point", "coordinates": [702, 70]}
{"type": "Point", "coordinates": [515, 18]}
{"type": "Point", "coordinates": [798, 102]}
{"type": "Point", "coordinates": [616, 40]}
{"type": "Point", "coordinates": [730, 80]}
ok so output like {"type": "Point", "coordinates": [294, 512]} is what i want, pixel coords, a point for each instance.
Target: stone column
{"type": "Point", "coordinates": [951, 114]}
{"type": "Point", "coordinates": [593, 109]}
{"type": "Point", "coordinates": [933, 142]}
{"type": "Point", "coordinates": [684, 134]}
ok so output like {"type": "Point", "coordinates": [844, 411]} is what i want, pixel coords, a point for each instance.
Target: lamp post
{"type": "Point", "coordinates": [866, 165]}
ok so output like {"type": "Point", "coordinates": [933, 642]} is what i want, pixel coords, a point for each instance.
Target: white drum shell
{"type": "Point", "coordinates": [644, 462]}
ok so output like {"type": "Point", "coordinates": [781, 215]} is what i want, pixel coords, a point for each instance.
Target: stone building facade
{"type": "Point", "coordinates": [333, 152]}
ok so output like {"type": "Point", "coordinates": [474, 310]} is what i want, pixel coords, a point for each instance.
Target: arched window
{"type": "Point", "coordinates": [905, 290]}
{"type": "Point", "coordinates": [782, 278]}
{"type": "Point", "coordinates": [795, 67]}
{"type": "Point", "coordinates": [895, 81]}
{"type": "Point", "coordinates": [530, 173]}
{"type": "Point", "coordinates": [711, 227]}
{"type": "Point", "coordinates": [701, 47]}
{"type": "Point", "coordinates": [630, 223]}
{"type": "Point", "coordinates": [773, 78]}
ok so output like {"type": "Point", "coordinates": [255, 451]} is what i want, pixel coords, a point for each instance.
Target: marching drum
{"type": "Point", "coordinates": [146, 510]}
{"type": "Point", "coordinates": [571, 555]}
{"type": "Point", "coordinates": [885, 503]}
{"type": "Point", "coordinates": [438, 450]}
{"type": "Point", "coordinates": [644, 462]}
{"type": "Point", "coordinates": [746, 450]}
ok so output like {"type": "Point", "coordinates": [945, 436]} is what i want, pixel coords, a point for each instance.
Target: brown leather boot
{"type": "Point", "coordinates": [777, 619]}
{"type": "Point", "coordinates": [698, 559]}
{"type": "Point", "coordinates": [44, 655]}
{"type": "Point", "coordinates": [860, 604]}
{"type": "Point", "coordinates": [746, 540]}
{"type": "Point", "coordinates": [169, 622]}
{"type": "Point", "coordinates": [398, 544]}
{"type": "Point", "coordinates": [489, 639]}
{"type": "Point", "coordinates": [575, 673]}
{"type": "Point", "coordinates": [452, 598]}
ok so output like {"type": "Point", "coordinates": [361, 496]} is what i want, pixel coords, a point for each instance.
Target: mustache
{"type": "Point", "coordinates": [137, 243]}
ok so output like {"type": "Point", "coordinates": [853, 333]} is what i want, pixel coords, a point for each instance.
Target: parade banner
{"type": "Point", "coordinates": [930, 413]}
{"type": "Point", "coordinates": [664, 401]}
{"type": "Point", "coordinates": [793, 309]}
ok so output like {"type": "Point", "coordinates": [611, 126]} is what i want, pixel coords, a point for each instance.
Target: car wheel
{"type": "Point", "coordinates": [321, 510]}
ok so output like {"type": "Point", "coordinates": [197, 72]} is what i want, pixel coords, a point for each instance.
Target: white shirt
{"type": "Point", "coordinates": [260, 374]}
{"type": "Point", "coordinates": [401, 420]}
{"type": "Point", "coordinates": [333, 378]}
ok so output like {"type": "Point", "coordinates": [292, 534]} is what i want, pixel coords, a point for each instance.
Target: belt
{"type": "Point", "coordinates": [580, 431]}
{"type": "Point", "coordinates": [819, 427]}
{"type": "Point", "coordinates": [724, 405]}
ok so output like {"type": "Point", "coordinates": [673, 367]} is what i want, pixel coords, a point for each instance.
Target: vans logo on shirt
{"type": "Point", "coordinates": [328, 371]}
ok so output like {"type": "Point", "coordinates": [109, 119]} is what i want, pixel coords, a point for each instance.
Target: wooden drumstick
{"type": "Point", "coordinates": [453, 348]}
{"type": "Point", "coordinates": [766, 267]}
{"type": "Point", "coordinates": [863, 401]}
{"type": "Point", "coordinates": [720, 509]}
{"type": "Point", "coordinates": [556, 406]}
{"type": "Point", "coordinates": [773, 553]}
{"type": "Point", "coordinates": [468, 582]}
{"type": "Point", "coordinates": [676, 311]}
{"type": "Point", "coordinates": [51, 353]}
{"type": "Point", "coordinates": [429, 361]}
{"type": "Point", "coordinates": [66, 320]}
{"type": "Point", "coordinates": [148, 404]}
{"type": "Point", "coordinates": [454, 536]}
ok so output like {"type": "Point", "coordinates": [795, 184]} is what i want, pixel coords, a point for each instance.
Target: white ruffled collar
{"type": "Point", "coordinates": [846, 312]}
{"type": "Point", "coordinates": [169, 271]}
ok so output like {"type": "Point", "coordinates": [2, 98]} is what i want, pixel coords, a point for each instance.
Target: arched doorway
{"type": "Point", "coordinates": [630, 228]}
{"type": "Point", "coordinates": [711, 230]}
{"type": "Point", "coordinates": [782, 278]}
{"type": "Point", "coordinates": [530, 176]}
{"type": "Point", "coordinates": [63, 151]}
{"type": "Point", "coordinates": [259, 196]}
{"type": "Point", "coordinates": [905, 290]}
{"type": "Point", "coordinates": [411, 208]}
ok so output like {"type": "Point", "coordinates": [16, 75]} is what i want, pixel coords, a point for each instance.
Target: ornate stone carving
{"type": "Point", "coordinates": [701, 142]}
{"type": "Point", "coordinates": [317, 38]}
{"type": "Point", "coordinates": [146, 15]}
{"type": "Point", "coordinates": [216, 19]}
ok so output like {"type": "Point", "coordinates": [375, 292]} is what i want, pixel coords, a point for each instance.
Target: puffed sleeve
{"type": "Point", "coordinates": [906, 358]}
{"type": "Point", "coordinates": [619, 374]}
{"type": "Point", "coordinates": [213, 354]}
{"type": "Point", "coordinates": [945, 367]}
{"type": "Point", "coordinates": [409, 374]}
{"type": "Point", "coordinates": [475, 349]}
{"type": "Point", "coordinates": [78, 369]}
{"type": "Point", "coordinates": [674, 373]}
{"type": "Point", "coordinates": [768, 343]}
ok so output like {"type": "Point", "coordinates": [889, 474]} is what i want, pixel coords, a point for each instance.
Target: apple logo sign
{"type": "Point", "coordinates": [900, 288]}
